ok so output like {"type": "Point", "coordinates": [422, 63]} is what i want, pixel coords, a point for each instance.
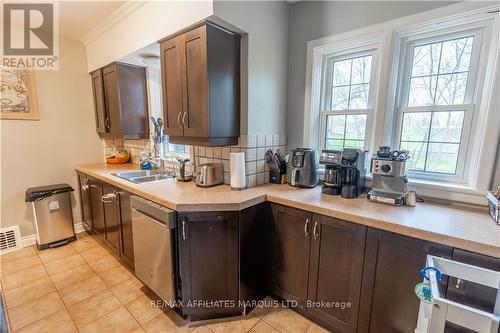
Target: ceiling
{"type": "Point", "coordinates": [78, 18]}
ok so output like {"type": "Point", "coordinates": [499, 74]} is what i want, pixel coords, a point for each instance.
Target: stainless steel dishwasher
{"type": "Point", "coordinates": [153, 228]}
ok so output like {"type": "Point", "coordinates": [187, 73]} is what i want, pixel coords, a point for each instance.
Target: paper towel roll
{"type": "Point", "coordinates": [237, 166]}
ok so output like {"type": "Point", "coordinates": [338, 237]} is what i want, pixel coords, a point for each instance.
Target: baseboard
{"type": "Point", "coordinates": [28, 240]}
{"type": "Point", "coordinates": [31, 239]}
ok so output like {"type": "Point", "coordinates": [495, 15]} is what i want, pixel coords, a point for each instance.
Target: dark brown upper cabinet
{"type": "Point", "coordinates": [121, 101]}
{"type": "Point", "coordinates": [200, 69]}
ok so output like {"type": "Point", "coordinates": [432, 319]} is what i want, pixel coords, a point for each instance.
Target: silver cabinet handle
{"type": "Point", "coordinates": [315, 230]}
{"type": "Point", "coordinates": [179, 119]}
{"type": "Point", "coordinates": [184, 119]}
{"type": "Point", "coordinates": [108, 198]}
{"type": "Point", "coordinates": [306, 228]}
{"type": "Point", "coordinates": [85, 187]}
{"type": "Point", "coordinates": [460, 283]}
{"type": "Point", "coordinates": [183, 230]}
{"type": "Point", "coordinates": [107, 123]}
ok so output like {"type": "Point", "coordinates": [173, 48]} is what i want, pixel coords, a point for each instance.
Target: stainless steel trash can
{"type": "Point", "coordinates": [53, 215]}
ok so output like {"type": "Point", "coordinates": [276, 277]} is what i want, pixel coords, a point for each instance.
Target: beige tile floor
{"type": "Point", "coordinates": [82, 287]}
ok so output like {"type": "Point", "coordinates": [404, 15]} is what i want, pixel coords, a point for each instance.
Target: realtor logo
{"type": "Point", "coordinates": [29, 35]}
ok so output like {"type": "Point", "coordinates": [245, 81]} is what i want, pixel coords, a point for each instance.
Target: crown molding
{"type": "Point", "coordinates": [119, 14]}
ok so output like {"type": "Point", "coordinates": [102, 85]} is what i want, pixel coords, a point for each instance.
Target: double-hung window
{"type": "Point", "coordinates": [347, 99]}
{"type": "Point", "coordinates": [436, 103]}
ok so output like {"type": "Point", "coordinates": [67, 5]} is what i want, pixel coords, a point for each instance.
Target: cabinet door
{"type": "Point", "coordinates": [336, 267]}
{"type": "Point", "coordinates": [209, 261]}
{"type": "Point", "coordinates": [172, 81]}
{"type": "Point", "coordinates": [195, 91]}
{"type": "Point", "coordinates": [111, 217]}
{"type": "Point", "coordinates": [112, 100]}
{"type": "Point", "coordinates": [127, 242]}
{"type": "Point", "coordinates": [97, 206]}
{"type": "Point", "coordinates": [469, 293]}
{"type": "Point", "coordinates": [99, 104]}
{"type": "Point", "coordinates": [390, 273]}
{"type": "Point", "coordinates": [85, 201]}
{"type": "Point", "coordinates": [291, 253]}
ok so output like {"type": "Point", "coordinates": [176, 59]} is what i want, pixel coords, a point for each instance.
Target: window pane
{"type": "Point", "coordinates": [456, 55]}
{"type": "Point", "coordinates": [335, 127]}
{"type": "Point", "coordinates": [342, 72]}
{"type": "Point", "coordinates": [416, 126]}
{"type": "Point", "coordinates": [442, 157]}
{"type": "Point", "coordinates": [451, 89]}
{"type": "Point", "coordinates": [357, 144]}
{"type": "Point", "coordinates": [447, 126]}
{"type": "Point", "coordinates": [417, 154]}
{"type": "Point", "coordinates": [426, 59]}
{"type": "Point", "coordinates": [340, 98]}
{"type": "Point", "coordinates": [422, 90]}
{"type": "Point", "coordinates": [334, 144]}
{"type": "Point", "coordinates": [355, 127]}
{"type": "Point", "coordinates": [361, 68]}
{"type": "Point", "coordinates": [359, 96]}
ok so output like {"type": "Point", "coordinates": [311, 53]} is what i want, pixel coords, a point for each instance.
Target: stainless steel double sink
{"type": "Point", "coordinates": [142, 176]}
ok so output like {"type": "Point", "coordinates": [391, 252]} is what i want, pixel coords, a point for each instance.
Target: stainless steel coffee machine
{"type": "Point", "coordinates": [302, 168]}
{"type": "Point", "coordinates": [345, 172]}
{"type": "Point", "coordinates": [389, 177]}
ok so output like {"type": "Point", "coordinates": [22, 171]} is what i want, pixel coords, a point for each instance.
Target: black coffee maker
{"type": "Point", "coordinates": [345, 172]}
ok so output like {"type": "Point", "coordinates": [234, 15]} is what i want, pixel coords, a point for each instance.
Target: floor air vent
{"type": "Point", "coordinates": [10, 239]}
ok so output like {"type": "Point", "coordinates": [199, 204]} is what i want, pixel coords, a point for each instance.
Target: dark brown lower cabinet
{"type": "Point", "coordinates": [85, 200]}
{"type": "Point", "coordinates": [335, 270]}
{"type": "Point", "coordinates": [291, 249]}
{"type": "Point", "coordinates": [111, 217]}
{"type": "Point", "coordinates": [390, 273]}
{"type": "Point", "coordinates": [127, 242]}
{"type": "Point", "coordinates": [318, 265]}
{"type": "Point", "coordinates": [209, 264]}
{"type": "Point", "coordinates": [96, 192]}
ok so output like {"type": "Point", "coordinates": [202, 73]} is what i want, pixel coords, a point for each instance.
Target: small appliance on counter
{"type": "Point", "coordinates": [276, 162]}
{"type": "Point", "coordinates": [494, 205]}
{"type": "Point", "coordinates": [389, 178]}
{"type": "Point", "coordinates": [209, 174]}
{"type": "Point", "coordinates": [301, 168]}
{"type": "Point", "coordinates": [184, 173]}
{"type": "Point", "coordinates": [345, 172]}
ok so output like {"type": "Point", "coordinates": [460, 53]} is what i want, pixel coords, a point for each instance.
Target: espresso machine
{"type": "Point", "coordinates": [301, 168]}
{"type": "Point", "coordinates": [389, 177]}
{"type": "Point", "coordinates": [345, 172]}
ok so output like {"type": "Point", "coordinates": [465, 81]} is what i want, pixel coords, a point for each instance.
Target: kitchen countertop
{"type": "Point", "coordinates": [466, 228]}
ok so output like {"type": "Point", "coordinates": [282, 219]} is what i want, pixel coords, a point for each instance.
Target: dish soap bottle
{"type": "Point", "coordinates": [145, 162]}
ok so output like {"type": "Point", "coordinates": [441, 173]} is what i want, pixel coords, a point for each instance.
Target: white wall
{"type": "Point", "coordinates": [35, 153]}
{"type": "Point", "coordinates": [310, 20]}
{"type": "Point", "coordinates": [138, 24]}
{"type": "Point", "coordinates": [265, 45]}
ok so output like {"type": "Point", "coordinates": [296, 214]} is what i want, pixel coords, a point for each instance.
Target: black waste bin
{"type": "Point", "coordinates": [53, 217]}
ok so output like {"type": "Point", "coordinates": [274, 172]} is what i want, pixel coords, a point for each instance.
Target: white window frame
{"type": "Point", "coordinates": [467, 106]}
{"type": "Point", "coordinates": [474, 126]}
{"type": "Point", "coordinates": [327, 91]}
{"type": "Point", "coordinates": [478, 174]}
{"type": "Point", "coordinates": [335, 51]}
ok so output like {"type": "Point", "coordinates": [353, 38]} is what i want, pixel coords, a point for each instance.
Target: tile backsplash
{"type": "Point", "coordinates": [253, 145]}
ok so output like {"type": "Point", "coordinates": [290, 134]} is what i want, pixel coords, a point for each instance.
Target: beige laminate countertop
{"type": "Point", "coordinates": [465, 228]}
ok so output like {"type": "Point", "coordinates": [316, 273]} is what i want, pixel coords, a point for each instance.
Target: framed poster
{"type": "Point", "coordinates": [18, 94]}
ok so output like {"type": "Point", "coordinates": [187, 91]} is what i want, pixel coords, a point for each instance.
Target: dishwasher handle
{"type": "Point", "coordinates": [150, 218]}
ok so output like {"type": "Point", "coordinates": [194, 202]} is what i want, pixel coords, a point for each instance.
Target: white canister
{"type": "Point", "coordinates": [237, 166]}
